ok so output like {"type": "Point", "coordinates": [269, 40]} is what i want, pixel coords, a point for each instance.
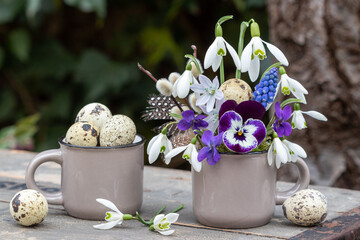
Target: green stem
{"type": "Point", "coordinates": [139, 218]}
{"type": "Point", "coordinates": [178, 208]}
{"type": "Point", "coordinates": [151, 221]}
{"type": "Point", "coordinates": [198, 138]}
{"type": "Point", "coordinates": [271, 122]}
{"type": "Point", "coordinates": [243, 27]}
{"type": "Point", "coordinates": [222, 74]}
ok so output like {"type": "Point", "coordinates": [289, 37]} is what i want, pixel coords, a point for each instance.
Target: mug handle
{"type": "Point", "coordinates": [302, 182]}
{"type": "Point", "coordinates": [53, 155]}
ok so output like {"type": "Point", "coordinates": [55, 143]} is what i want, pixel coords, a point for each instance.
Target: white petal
{"type": "Point", "coordinates": [198, 88]}
{"type": "Point", "coordinates": [203, 99]}
{"type": "Point", "coordinates": [297, 149]}
{"type": "Point", "coordinates": [151, 143]}
{"type": "Point", "coordinates": [114, 216]}
{"type": "Point", "coordinates": [108, 225]}
{"type": "Point", "coordinates": [172, 217]}
{"type": "Point", "coordinates": [175, 152]}
{"type": "Point", "coordinates": [211, 54]}
{"type": "Point", "coordinates": [219, 94]}
{"type": "Point", "coordinates": [257, 45]}
{"type": "Point", "coordinates": [194, 161]}
{"type": "Point", "coordinates": [205, 82]}
{"type": "Point", "coordinates": [316, 115]}
{"type": "Point", "coordinates": [155, 150]}
{"type": "Point", "coordinates": [158, 219]}
{"type": "Point", "coordinates": [211, 103]}
{"type": "Point", "coordinates": [254, 69]}
{"type": "Point", "coordinates": [234, 55]}
{"type": "Point", "coordinates": [278, 54]}
{"type": "Point", "coordinates": [183, 87]}
{"type": "Point", "coordinates": [296, 84]}
{"type": "Point", "coordinates": [298, 120]}
{"type": "Point", "coordinates": [216, 64]}
{"type": "Point", "coordinates": [246, 57]}
{"type": "Point", "coordinates": [281, 152]}
{"type": "Point", "coordinates": [167, 232]}
{"type": "Point", "coordinates": [108, 204]}
{"type": "Point", "coordinates": [270, 155]}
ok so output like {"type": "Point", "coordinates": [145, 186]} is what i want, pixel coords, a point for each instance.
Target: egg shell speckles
{"type": "Point", "coordinates": [118, 130]}
{"type": "Point", "coordinates": [82, 134]}
{"type": "Point", "coordinates": [236, 89]}
{"type": "Point", "coordinates": [95, 113]}
{"type": "Point", "coordinates": [307, 207]}
{"type": "Point", "coordinates": [28, 207]}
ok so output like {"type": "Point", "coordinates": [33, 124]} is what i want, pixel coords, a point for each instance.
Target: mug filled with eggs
{"type": "Point", "coordinates": [101, 155]}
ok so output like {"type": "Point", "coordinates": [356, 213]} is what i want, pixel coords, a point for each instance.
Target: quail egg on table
{"type": "Point", "coordinates": [118, 130]}
{"type": "Point", "coordinates": [28, 207]}
{"type": "Point", "coordinates": [307, 207]}
{"type": "Point", "coordinates": [95, 113]}
{"type": "Point", "coordinates": [82, 134]}
{"type": "Point", "coordinates": [236, 89]}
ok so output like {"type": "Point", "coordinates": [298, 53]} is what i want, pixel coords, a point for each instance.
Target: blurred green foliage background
{"type": "Point", "coordinates": [58, 55]}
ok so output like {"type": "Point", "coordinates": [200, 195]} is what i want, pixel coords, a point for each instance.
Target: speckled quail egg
{"type": "Point", "coordinates": [82, 134]}
{"type": "Point", "coordinates": [236, 89]}
{"type": "Point", "coordinates": [118, 130]}
{"type": "Point", "coordinates": [95, 113]}
{"type": "Point", "coordinates": [28, 207]}
{"type": "Point", "coordinates": [307, 207]}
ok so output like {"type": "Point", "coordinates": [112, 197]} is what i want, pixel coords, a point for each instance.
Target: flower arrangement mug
{"type": "Point", "coordinates": [240, 190]}
{"type": "Point", "coordinates": [87, 173]}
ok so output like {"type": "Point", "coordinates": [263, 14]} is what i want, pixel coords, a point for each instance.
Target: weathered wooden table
{"type": "Point", "coordinates": [162, 187]}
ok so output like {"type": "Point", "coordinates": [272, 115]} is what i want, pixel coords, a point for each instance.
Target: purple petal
{"type": "Point", "coordinates": [217, 140]}
{"type": "Point", "coordinates": [286, 112]}
{"type": "Point", "coordinates": [279, 129]}
{"type": "Point", "coordinates": [200, 117]}
{"type": "Point", "coordinates": [203, 153]}
{"type": "Point", "coordinates": [206, 137]}
{"type": "Point", "coordinates": [250, 109]}
{"type": "Point", "coordinates": [184, 125]}
{"type": "Point", "coordinates": [216, 155]}
{"type": "Point", "coordinates": [227, 106]}
{"type": "Point", "coordinates": [188, 115]}
{"type": "Point", "coordinates": [200, 124]}
{"type": "Point", "coordinates": [278, 110]}
{"type": "Point", "coordinates": [260, 129]}
{"type": "Point", "coordinates": [226, 120]}
{"type": "Point", "coordinates": [237, 143]}
{"type": "Point", "coordinates": [287, 128]}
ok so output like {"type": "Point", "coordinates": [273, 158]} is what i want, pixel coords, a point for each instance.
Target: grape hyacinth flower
{"type": "Point", "coordinates": [295, 150]}
{"type": "Point", "coordinates": [266, 91]}
{"type": "Point", "coordinates": [159, 144]}
{"type": "Point", "coordinates": [189, 120]}
{"type": "Point", "coordinates": [181, 87]}
{"type": "Point", "coordinates": [298, 120]}
{"type": "Point", "coordinates": [291, 85]}
{"type": "Point", "coordinates": [281, 127]}
{"type": "Point", "coordinates": [255, 51]}
{"type": "Point", "coordinates": [213, 116]}
{"type": "Point", "coordinates": [238, 136]}
{"type": "Point", "coordinates": [278, 152]}
{"type": "Point", "coordinates": [209, 151]}
{"type": "Point", "coordinates": [162, 223]}
{"type": "Point", "coordinates": [209, 92]}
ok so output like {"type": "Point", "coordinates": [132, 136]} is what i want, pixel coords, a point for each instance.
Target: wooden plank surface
{"type": "Point", "coordinates": [161, 187]}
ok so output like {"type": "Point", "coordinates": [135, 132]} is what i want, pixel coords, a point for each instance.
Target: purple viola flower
{"type": "Point", "coordinates": [281, 127]}
{"type": "Point", "coordinates": [238, 136]}
{"type": "Point", "coordinates": [247, 109]}
{"type": "Point", "coordinates": [189, 120]}
{"type": "Point", "coordinates": [209, 151]}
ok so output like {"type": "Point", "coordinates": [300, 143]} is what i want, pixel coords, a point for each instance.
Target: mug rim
{"type": "Point", "coordinates": [61, 142]}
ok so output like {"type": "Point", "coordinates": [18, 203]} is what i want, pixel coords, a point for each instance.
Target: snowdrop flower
{"type": "Point", "coordinates": [159, 144]}
{"type": "Point", "coordinates": [112, 218]}
{"type": "Point", "coordinates": [162, 223]}
{"type": "Point", "coordinates": [181, 87]}
{"type": "Point", "coordinates": [298, 120]}
{"type": "Point", "coordinates": [255, 51]}
{"type": "Point", "coordinates": [291, 85]}
{"type": "Point", "coordinates": [217, 50]}
{"type": "Point", "coordinates": [213, 116]}
{"type": "Point", "coordinates": [295, 150]}
{"type": "Point", "coordinates": [190, 154]}
{"type": "Point", "coordinates": [278, 151]}
{"type": "Point", "coordinates": [209, 92]}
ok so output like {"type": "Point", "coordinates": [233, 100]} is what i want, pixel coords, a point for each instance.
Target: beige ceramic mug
{"type": "Point", "coordinates": [87, 173]}
{"type": "Point", "coordinates": [240, 190]}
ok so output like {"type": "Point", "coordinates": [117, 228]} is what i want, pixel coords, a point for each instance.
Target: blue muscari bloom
{"type": "Point", "coordinates": [265, 91]}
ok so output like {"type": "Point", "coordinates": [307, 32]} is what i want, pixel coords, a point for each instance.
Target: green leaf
{"type": "Point", "coordinates": [290, 101]}
{"type": "Point", "coordinates": [9, 9]}
{"type": "Point", "coordinates": [19, 44]}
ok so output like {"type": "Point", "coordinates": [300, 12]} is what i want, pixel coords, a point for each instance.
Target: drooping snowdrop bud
{"type": "Point", "coordinates": [194, 69]}
{"type": "Point", "coordinates": [192, 101]}
{"type": "Point", "coordinates": [173, 77]}
{"type": "Point", "coordinates": [164, 87]}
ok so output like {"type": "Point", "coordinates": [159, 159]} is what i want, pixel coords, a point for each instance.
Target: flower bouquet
{"type": "Point", "coordinates": [223, 121]}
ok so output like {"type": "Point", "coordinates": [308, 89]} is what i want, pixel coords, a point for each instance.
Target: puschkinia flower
{"type": "Point", "coordinates": [298, 120]}
{"type": "Point", "coordinates": [113, 218]}
{"type": "Point", "coordinates": [209, 152]}
{"type": "Point", "coordinates": [162, 223]}
{"type": "Point", "coordinates": [281, 127]}
{"type": "Point", "coordinates": [238, 136]}
{"type": "Point", "coordinates": [216, 51]}
{"type": "Point", "coordinates": [278, 151]}
{"type": "Point", "coordinates": [291, 85]}
{"type": "Point", "coordinates": [209, 92]}
{"type": "Point", "coordinates": [189, 120]}
{"type": "Point", "coordinates": [255, 51]}
{"type": "Point", "coordinates": [159, 144]}
{"type": "Point", "coordinates": [190, 154]}
{"type": "Point", "coordinates": [181, 87]}
{"type": "Point", "coordinates": [295, 150]}
{"type": "Point", "coordinates": [213, 116]}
